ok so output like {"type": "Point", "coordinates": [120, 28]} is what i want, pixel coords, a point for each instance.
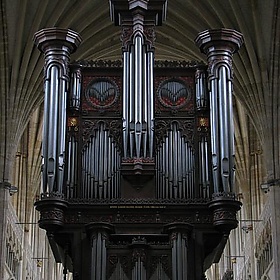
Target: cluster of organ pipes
{"type": "Point", "coordinates": [57, 57]}
{"type": "Point", "coordinates": [175, 166]}
{"type": "Point", "coordinates": [100, 166]}
{"type": "Point", "coordinates": [138, 99]}
{"type": "Point", "coordinates": [98, 255]}
{"type": "Point", "coordinates": [222, 128]}
{"type": "Point", "coordinates": [179, 256]}
{"type": "Point", "coordinates": [139, 270]}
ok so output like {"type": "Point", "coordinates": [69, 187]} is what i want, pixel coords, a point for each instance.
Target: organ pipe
{"type": "Point", "coordinates": [201, 89]}
{"type": "Point", "coordinates": [72, 166]}
{"type": "Point", "coordinates": [150, 102]}
{"type": "Point", "coordinates": [57, 45]}
{"type": "Point", "coordinates": [126, 71]}
{"type": "Point", "coordinates": [75, 88]}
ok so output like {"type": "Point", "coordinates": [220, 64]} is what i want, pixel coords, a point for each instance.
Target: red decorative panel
{"type": "Point", "coordinates": [174, 94]}
{"type": "Point", "coordinates": [101, 93]}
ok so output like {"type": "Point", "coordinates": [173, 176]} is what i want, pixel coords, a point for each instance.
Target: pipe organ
{"type": "Point", "coordinates": [138, 156]}
{"type": "Point", "coordinates": [102, 154]}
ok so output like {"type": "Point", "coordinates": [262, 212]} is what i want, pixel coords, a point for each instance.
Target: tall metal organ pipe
{"type": "Point", "coordinates": [75, 88]}
{"type": "Point", "coordinates": [219, 45]}
{"type": "Point", "coordinates": [201, 89]}
{"type": "Point", "coordinates": [202, 104]}
{"type": "Point", "coordinates": [57, 45]}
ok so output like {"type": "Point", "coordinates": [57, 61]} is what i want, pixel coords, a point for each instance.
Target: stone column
{"type": "Point", "coordinates": [274, 198]}
{"type": "Point", "coordinates": [4, 198]}
{"type": "Point", "coordinates": [98, 234]}
{"type": "Point", "coordinates": [179, 235]}
{"type": "Point", "coordinates": [57, 45]}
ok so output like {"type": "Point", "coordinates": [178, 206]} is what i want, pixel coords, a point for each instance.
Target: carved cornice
{"type": "Point", "coordinates": [138, 218]}
{"type": "Point", "coordinates": [98, 63]}
{"type": "Point", "coordinates": [185, 126]}
{"type": "Point", "coordinates": [219, 39]}
{"type": "Point", "coordinates": [126, 37]}
{"type": "Point", "coordinates": [49, 37]}
{"type": "Point", "coordinates": [181, 64]}
{"type": "Point", "coordinates": [138, 201]}
{"type": "Point", "coordinates": [224, 195]}
{"type": "Point", "coordinates": [113, 126]}
{"type": "Point", "coordinates": [178, 64]}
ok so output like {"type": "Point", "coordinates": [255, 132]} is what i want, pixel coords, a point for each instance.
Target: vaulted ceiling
{"type": "Point", "coordinates": [256, 66]}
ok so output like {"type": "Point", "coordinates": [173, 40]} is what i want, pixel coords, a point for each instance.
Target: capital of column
{"type": "Point", "coordinates": [105, 228]}
{"type": "Point", "coordinates": [172, 228]}
{"type": "Point", "coordinates": [54, 37]}
{"type": "Point", "coordinates": [211, 41]}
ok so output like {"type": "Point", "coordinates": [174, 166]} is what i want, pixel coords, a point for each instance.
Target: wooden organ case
{"type": "Point", "coordinates": [138, 159]}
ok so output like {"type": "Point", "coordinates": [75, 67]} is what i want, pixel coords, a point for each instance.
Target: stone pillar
{"type": "Point", "coordinates": [274, 199]}
{"type": "Point", "coordinates": [4, 198]}
{"type": "Point", "coordinates": [179, 235]}
{"type": "Point", "coordinates": [98, 234]}
{"type": "Point", "coordinates": [57, 45]}
{"type": "Point", "coordinates": [219, 46]}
